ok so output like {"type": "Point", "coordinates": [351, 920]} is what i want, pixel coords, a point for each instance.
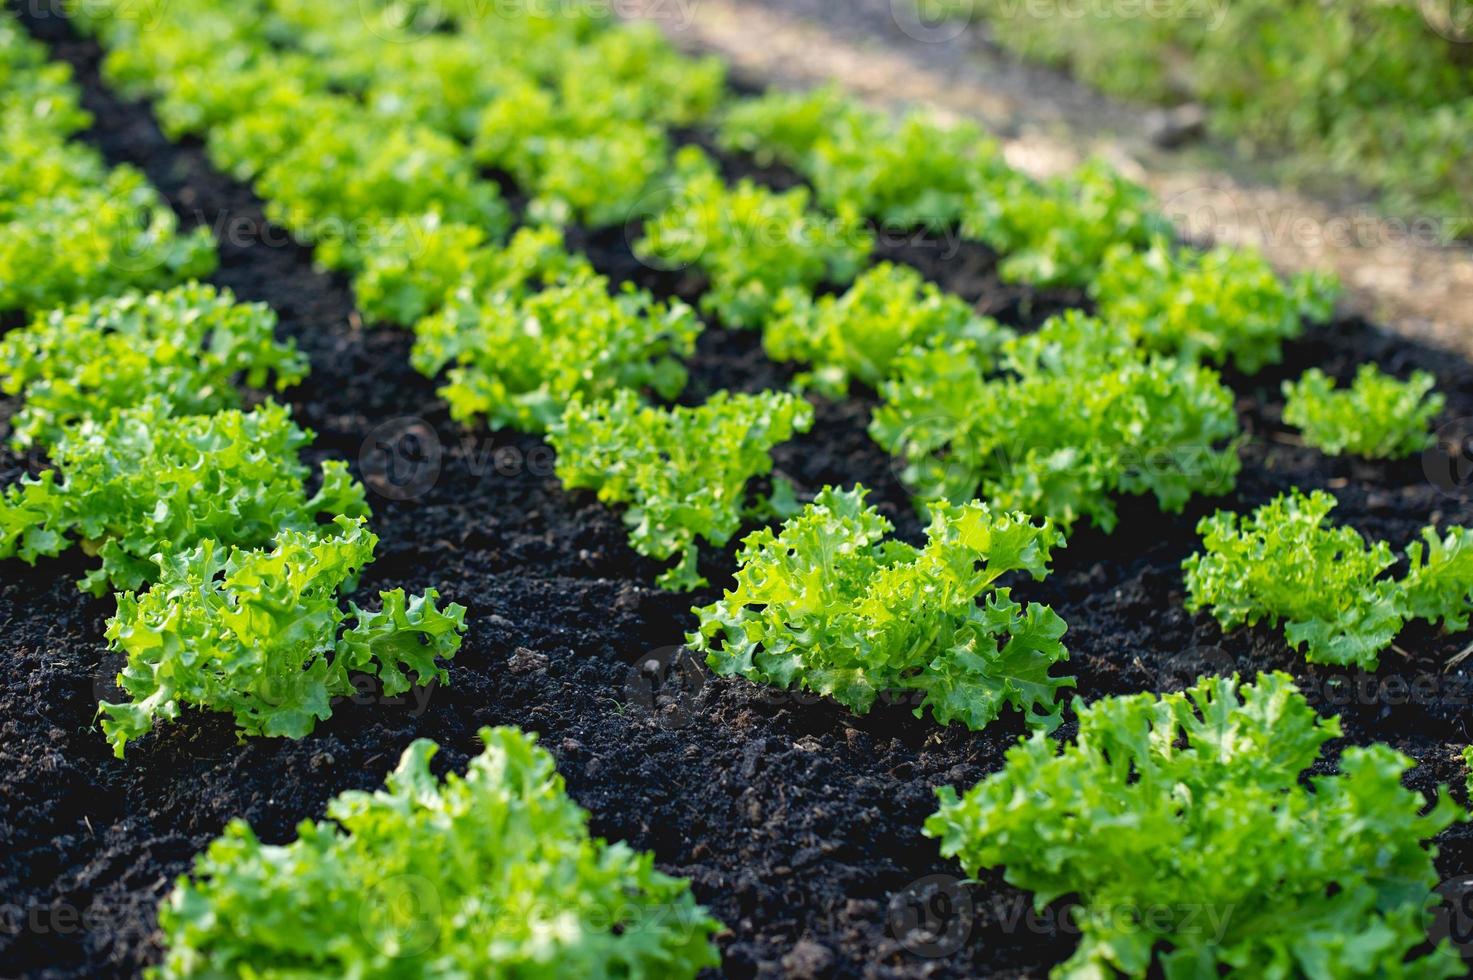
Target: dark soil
{"type": "Point", "coordinates": [798, 823]}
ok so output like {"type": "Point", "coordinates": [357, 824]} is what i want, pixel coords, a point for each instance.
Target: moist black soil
{"type": "Point", "coordinates": [797, 822]}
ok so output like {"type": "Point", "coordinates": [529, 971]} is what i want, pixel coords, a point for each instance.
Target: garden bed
{"type": "Point", "coordinates": [797, 822]}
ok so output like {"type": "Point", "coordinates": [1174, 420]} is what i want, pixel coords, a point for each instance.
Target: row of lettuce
{"type": "Point", "coordinates": [368, 139]}
{"type": "Point", "coordinates": [230, 582]}
{"type": "Point", "coordinates": [158, 471]}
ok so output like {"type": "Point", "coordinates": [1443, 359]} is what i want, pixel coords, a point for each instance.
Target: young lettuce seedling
{"type": "Point", "coordinates": [1075, 415]}
{"type": "Point", "coordinates": [832, 605]}
{"type": "Point", "coordinates": [187, 345]}
{"type": "Point", "coordinates": [1377, 417]}
{"type": "Point", "coordinates": [490, 874]}
{"type": "Point", "coordinates": [1195, 845]}
{"type": "Point", "coordinates": [259, 634]}
{"type": "Point", "coordinates": [683, 472]}
{"type": "Point", "coordinates": [146, 482]}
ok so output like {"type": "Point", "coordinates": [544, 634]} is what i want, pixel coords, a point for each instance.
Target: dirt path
{"type": "Point", "coordinates": [1396, 271]}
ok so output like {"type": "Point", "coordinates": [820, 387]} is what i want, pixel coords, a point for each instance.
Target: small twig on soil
{"type": "Point", "coordinates": [1287, 438]}
{"type": "Point", "coordinates": [1401, 651]}
{"type": "Point", "coordinates": [1459, 657]}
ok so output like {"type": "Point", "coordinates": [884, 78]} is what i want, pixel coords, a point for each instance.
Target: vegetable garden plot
{"type": "Point", "coordinates": [798, 822]}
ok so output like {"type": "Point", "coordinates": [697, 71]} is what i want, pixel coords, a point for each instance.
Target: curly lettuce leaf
{"type": "Point", "coordinates": [683, 472]}
{"type": "Point", "coordinates": [146, 482]}
{"type": "Point", "coordinates": [490, 874]}
{"type": "Point", "coordinates": [259, 634]}
{"type": "Point", "coordinates": [188, 345]}
{"type": "Point", "coordinates": [1195, 845]}
{"type": "Point", "coordinates": [829, 603]}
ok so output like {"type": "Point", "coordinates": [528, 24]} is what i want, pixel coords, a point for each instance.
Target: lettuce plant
{"type": "Point", "coordinates": [910, 173]}
{"type": "Point", "coordinates": [1226, 305]}
{"type": "Point", "coordinates": [914, 173]}
{"type": "Point", "coordinates": [633, 71]}
{"type": "Point", "coordinates": [145, 482]}
{"type": "Point", "coordinates": [37, 167]}
{"type": "Point", "coordinates": [859, 335]}
{"type": "Point", "coordinates": [248, 143]}
{"type": "Point", "coordinates": [40, 107]}
{"type": "Point", "coordinates": [490, 874]}
{"type": "Point", "coordinates": [409, 274]}
{"type": "Point", "coordinates": [518, 361]}
{"type": "Point", "coordinates": [785, 127]}
{"type": "Point", "coordinates": [751, 242]}
{"type": "Point", "coordinates": [833, 605]}
{"type": "Point", "coordinates": [96, 240]}
{"type": "Point", "coordinates": [1325, 584]}
{"type": "Point", "coordinates": [1058, 232]}
{"type": "Point", "coordinates": [355, 179]}
{"type": "Point", "coordinates": [1377, 416]}
{"type": "Point", "coordinates": [579, 161]}
{"type": "Point", "coordinates": [259, 634]}
{"type": "Point", "coordinates": [1439, 579]}
{"type": "Point", "coordinates": [1196, 844]}
{"type": "Point", "coordinates": [683, 472]}
{"type": "Point", "coordinates": [1075, 417]}
{"type": "Point", "coordinates": [187, 345]}
{"type": "Point", "coordinates": [37, 95]}
{"type": "Point", "coordinates": [414, 274]}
